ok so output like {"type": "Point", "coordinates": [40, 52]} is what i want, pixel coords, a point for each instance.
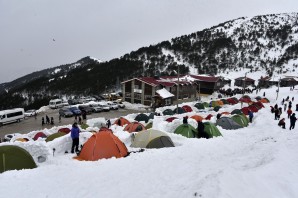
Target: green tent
{"type": "Point", "coordinates": [180, 110]}
{"type": "Point", "coordinates": [186, 130]}
{"type": "Point", "coordinates": [15, 158]}
{"type": "Point", "coordinates": [236, 111]}
{"type": "Point", "coordinates": [149, 125]}
{"type": "Point", "coordinates": [214, 103]}
{"type": "Point", "coordinates": [54, 136]}
{"type": "Point", "coordinates": [168, 112]}
{"type": "Point", "coordinates": [142, 117]}
{"type": "Point", "coordinates": [84, 126]}
{"type": "Point", "coordinates": [245, 118]}
{"type": "Point", "coordinates": [224, 101]}
{"type": "Point", "coordinates": [240, 120]}
{"type": "Point", "coordinates": [211, 129]}
{"type": "Point", "coordinates": [216, 109]}
{"type": "Point", "coordinates": [227, 123]}
{"type": "Point", "coordinates": [152, 139]}
{"type": "Point", "coordinates": [206, 104]}
{"type": "Point", "coordinates": [199, 106]}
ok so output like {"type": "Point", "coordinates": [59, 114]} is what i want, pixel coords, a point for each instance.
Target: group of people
{"type": "Point", "coordinates": [47, 120]}
{"type": "Point", "coordinates": [287, 103]}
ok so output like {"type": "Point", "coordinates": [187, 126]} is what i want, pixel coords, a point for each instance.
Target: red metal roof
{"type": "Point", "coordinates": [206, 78]}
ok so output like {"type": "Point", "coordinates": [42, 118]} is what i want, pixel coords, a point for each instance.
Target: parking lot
{"type": "Point", "coordinates": [32, 124]}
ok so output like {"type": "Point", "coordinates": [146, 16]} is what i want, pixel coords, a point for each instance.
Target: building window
{"type": "Point", "coordinates": [137, 96]}
{"type": "Point", "coordinates": [147, 97]}
{"type": "Point", "coordinates": [136, 86]}
{"type": "Point", "coordinates": [127, 95]}
{"type": "Point", "coordinates": [167, 101]}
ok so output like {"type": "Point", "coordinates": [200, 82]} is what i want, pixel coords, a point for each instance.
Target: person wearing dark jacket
{"type": "Point", "coordinates": [218, 116]}
{"type": "Point", "coordinates": [282, 123]}
{"type": "Point", "coordinates": [276, 113]}
{"type": "Point", "coordinates": [185, 120]}
{"type": "Point", "coordinates": [292, 121]}
{"type": "Point", "coordinates": [108, 123]}
{"type": "Point", "coordinates": [201, 131]}
{"type": "Point", "coordinates": [75, 135]}
{"type": "Point", "coordinates": [250, 115]}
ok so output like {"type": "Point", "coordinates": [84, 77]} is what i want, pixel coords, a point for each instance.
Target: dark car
{"type": "Point", "coordinates": [85, 108]}
{"type": "Point", "coordinates": [75, 110]}
{"type": "Point", "coordinates": [65, 112]}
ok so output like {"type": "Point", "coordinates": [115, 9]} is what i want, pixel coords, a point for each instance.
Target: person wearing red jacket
{"type": "Point", "coordinates": [289, 112]}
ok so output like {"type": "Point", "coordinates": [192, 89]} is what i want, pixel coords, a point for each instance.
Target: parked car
{"type": "Point", "coordinates": [29, 113]}
{"type": "Point", "coordinates": [75, 110]}
{"type": "Point", "coordinates": [113, 106]}
{"type": "Point", "coordinates": [65, 112]}
{"type": "Point", "coordinates": [85, 108]}
{"type": "Point", "coordinates": [104, 106]}
{"type": "Point", "coordinates": [120, 104]}
{"type": "Point", "coordinates": [95, 108]}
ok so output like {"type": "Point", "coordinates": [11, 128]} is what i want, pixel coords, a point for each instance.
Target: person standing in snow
{"type": "Point", "coordinates": [292, 121]}
{"type": "Point", "coordinates": [185, 120]}
{"type": "Point", "coordinates": [289, 112]}
{"type": "Point", "coordinates": [42, 121]}
{"type": "Point", "coordinates": [264, 94]}
{"type": "Point", "coordinates": [108, 123]}
{"type": "Point", "coordinates": [47, 119]}
{"type": "Point", "coordinates": [250, 115]}
{"type": "Point", "coordinates": [276, 113]}
{"type": "Point", "coordinates": [218, 116]}
{"type": "Point", "coordinates": [285, 107]}
{"type": "Point", "coordinates": [75, 135]}
{"type": "Point", "coordinates": [282, 123]}
{"type": "Point", "coordinates": [201, 130]}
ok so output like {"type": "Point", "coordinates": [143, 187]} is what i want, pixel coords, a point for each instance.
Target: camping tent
{"type": "Point", "coordinates": [208, 117]}
{"type": "Point", "coordinates": [142, 117]}
{"type": "Point", "coordinates": [186, 130]}
{"type": "Point", "coordinates": [214, 103]}
{"type": "Point", "coordinates": [134, 127]}
{"type": "Point", "coordinates": [187, 108]}
{"type": "Point", "coordinates": [220, 103]}
{"type": "Point", "coordinates": [199, 106]}
{"type": "Point", "coordinates": [121, 121]}
{"type": "Point", "coordinates": [240, 120]}
{"type": "Point", "coordinates": [168, 112]}
{"type": "Point", "coordinates": [54, 136]}
{"type": "Point", "coordinates": [180, 110]}
{"type": "Point", "coordinates": [170, 119]}
{"type": "Point", "coordinates": [264, 100]}
{"type": "Point", "coordinates": [149, 125]}
{"type": "Point", "coordinates": [103, 144]}
{"type": "Point", "coordinates": [64, 130]}
{"type": "Point", "coordinates": [38, 135]}
{"type": "Point", "coordinates": [21, 140]}
{"type": "Point", "coordinates": [211, 130]}
{"type": "Point", "coordinates": [245, 110]}
{"type": "Point", "coordinates": [232, 101]}
{"type": "Point", "coordinates": [224, 101]}
{"type": "Point", "coordinates": [253, 108]}
{"type": "Point", "coordinates": [197, 117]}
{"type": "Point", "coordinates": [228, 123]}
{"type": "Point", "coordinates": [216, 109]}
{"type": "Point", "coordinates": [236, 111]}
{"type": "Point", "coordinates": [258, 98]}
{"type": "Point", "coordinates": [246, 100]}
{"type": "Point", "coordinates": [15, 158]}
{"type": "Point", "coordinates": [152, 139]}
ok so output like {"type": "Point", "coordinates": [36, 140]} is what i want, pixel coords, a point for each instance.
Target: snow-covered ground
{"type": "Point", "coordinates": [257, 161]}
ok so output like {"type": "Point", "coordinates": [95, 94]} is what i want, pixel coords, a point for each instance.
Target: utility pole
{"type": "Point", "coordinates": [178, 89]}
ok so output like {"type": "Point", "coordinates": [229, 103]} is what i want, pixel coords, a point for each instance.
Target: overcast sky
{"type": "Point", "coordinates": [38, 34]}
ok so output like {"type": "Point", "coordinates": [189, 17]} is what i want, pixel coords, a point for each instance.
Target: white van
{"type": "Point", "coordinates": [11, 115]}
{"type": "Point", "coordinates": [56, 103]}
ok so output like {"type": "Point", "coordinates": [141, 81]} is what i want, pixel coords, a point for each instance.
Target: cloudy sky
{"type": "Point", "coordinates": [38, 34]}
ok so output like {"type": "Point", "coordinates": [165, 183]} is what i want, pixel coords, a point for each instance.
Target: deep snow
{"type": "Point", "coordinates": [257, 161]}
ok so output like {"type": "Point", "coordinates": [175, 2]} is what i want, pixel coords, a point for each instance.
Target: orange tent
{"type": "Point", "coordinates": [134, 127]}
{"type": "Point", "coordinates": [121, 121]}
{"type": "Point", "coordinates": [64, 130]}
{"type": "Point", "coordinates": [197, 117]}
{"type": "Point", "coordinates": [263, 100]}
{"type": "Point", "coordinates": [102, 145]}
{"type": "Point", "coordinates": [225, 113]}
{"type": "Point", "coordinates": [220, 103]}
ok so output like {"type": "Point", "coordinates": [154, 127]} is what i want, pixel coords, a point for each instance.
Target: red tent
{"type": "Point", "coordinates": [64, 130]}
{"type": "Point", "coordinates": [259, 104]}
{"type": "Point", "coordinates": [170, 119]}
{"type": "Point", "coordinates": [253, 108]}
{"type": "Point", "coordinates": [208, 117]}
{"type": "Point", "coordinates": [246, 100]}
{"type": "Point", "coordinates": [187, 108]}
{"type": "Point", "coordinates": [38, 135]}
{"type": "Point", "coordinates": [232, 101]}
{"type": "Point", "coordinates": [245, 110]}
{"type": "Point", "coordinates": [134, 127]}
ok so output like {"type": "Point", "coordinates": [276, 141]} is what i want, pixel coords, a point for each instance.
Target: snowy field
{"type": "Point", "coordinates": [258, 161]}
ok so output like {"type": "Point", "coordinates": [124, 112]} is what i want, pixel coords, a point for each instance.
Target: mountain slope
{"type": "Point", "coordinates": [265, 44]}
